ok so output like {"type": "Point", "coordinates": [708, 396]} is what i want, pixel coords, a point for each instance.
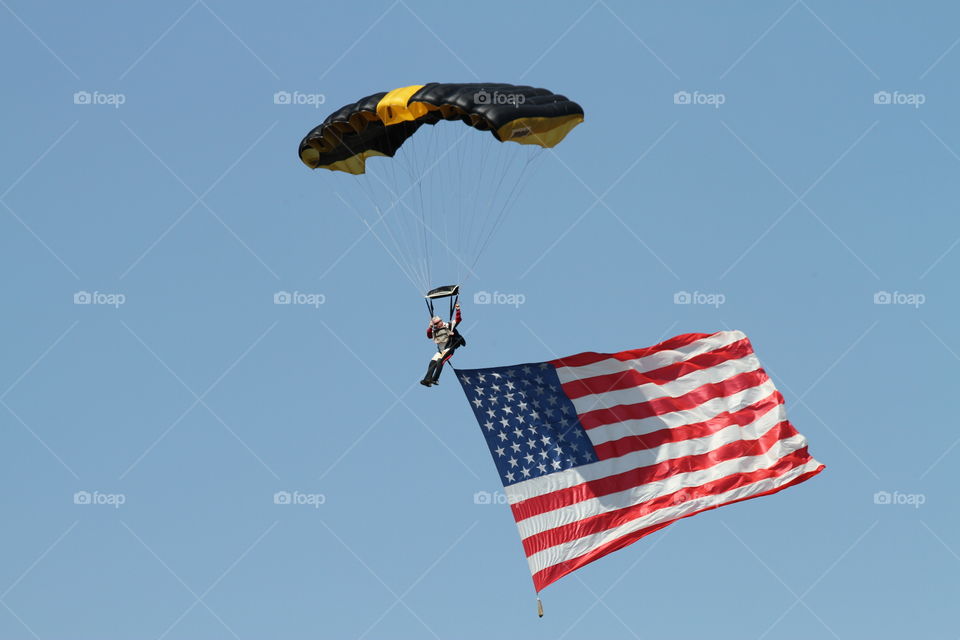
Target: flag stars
{"type": "Point", "coordinates": [528, 458]}
{"type": "Point", "coordinates": [545, 440]}
{"type": "Point", "coordinates": [542, 467]}
{"type": "Point", "coordinates": [477, 402]}
{"type": "Point", "coordinates": [510, 477]}
{"type": "Point", "coordinates": [515, 446]}
{"type": "Point", "coordinates": [513, 462]}
{"type": "Point", "coordinates": [518, 432]}
{"type": "Point", "coordinates": [502, 436]}
{"type": "Point", "coordinates": [489, 425]}
{"type": "Point", "coordinates": [500, 451]}
{"type": "Point", "coordinates": [526, 472]}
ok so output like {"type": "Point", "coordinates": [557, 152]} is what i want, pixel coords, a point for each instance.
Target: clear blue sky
{"type": "Point", "coordinates": [197, 399]}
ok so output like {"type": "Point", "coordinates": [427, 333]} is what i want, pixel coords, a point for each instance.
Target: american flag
{"type": "Point", "coordinates": [597, 450]}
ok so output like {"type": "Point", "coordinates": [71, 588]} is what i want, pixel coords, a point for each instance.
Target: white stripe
{"type": "Point", "coordinates": [673, 389]}
{"type": "Point", "coordinates": [709, 409]}
{"type": "Point", "coordinates": [676, 482]}
{"type": "Point", "coordinates": [611, 466]}
{"type": "Point", "coordinates": [652, 361]}
{"type": "Point", "coordinates": [581, 546]}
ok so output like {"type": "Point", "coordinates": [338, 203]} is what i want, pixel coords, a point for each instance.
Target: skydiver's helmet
{"type": "Point", "coordinates": [436, 321]}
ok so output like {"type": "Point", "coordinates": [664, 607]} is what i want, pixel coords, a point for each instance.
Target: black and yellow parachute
{"type": "Point", "coordinates": [380, 123]}
{"type": "Point", "coordinates": [435, 204]}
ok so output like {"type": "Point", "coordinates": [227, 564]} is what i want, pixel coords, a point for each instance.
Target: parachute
{"type": "Point", "coordinates": [442, 190]}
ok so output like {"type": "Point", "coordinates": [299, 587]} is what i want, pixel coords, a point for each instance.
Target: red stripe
{"type": "Point", "coordinates": [629, 444]}
{"type": "Point", "coordinates": [645, 475]}
{"type": "Point", "coordinates": [551, 574]}
{"type": "Point", "coordinates": [612, 519]}
{"type": "Point", "coordinates": [659, 406]}
{"type": "Point", "coordinates": [669, 373]}
{"type": "Point", "coordinates": [591, 357]}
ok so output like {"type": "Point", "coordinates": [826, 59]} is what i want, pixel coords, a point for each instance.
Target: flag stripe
{"type": "Point", "coordinates": [639, 410]}
{"type": "Point", "coordinates": [555, 571]}
{"type": "Point", "coordinates": [595, 516]}
{"type": "Point", "coordinates": [635, 477]}
{"type": "Point", "coordinates": [677, 419]}
{"type": "Point", "coordinates": [632, 379]}
{"type": "Point", "coordinates": [676, 343]}
{"type": "Point", "coordinates": [653, 439]}
{"type": "Point", "coordinates": [674, 389]}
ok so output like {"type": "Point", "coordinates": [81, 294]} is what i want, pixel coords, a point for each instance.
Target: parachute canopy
{"type": "Point", "coordinates": [379, 124]}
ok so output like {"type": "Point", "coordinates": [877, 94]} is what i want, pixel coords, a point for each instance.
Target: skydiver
{"type": "Point", "coordinates": [447, 339]}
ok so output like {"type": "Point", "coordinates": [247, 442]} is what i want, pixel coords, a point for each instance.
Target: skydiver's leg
{"type": "Point", "coordinates": [429, 377]}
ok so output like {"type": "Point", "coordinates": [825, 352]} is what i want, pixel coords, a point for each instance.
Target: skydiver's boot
{"type": "Point", "coordinates": [428, 377]}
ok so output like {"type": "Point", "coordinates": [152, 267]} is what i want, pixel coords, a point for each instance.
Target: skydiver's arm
{"type": "Point", "coordinates": [457, 318]}
{"type": "Point", "coordinates": [430, 332]}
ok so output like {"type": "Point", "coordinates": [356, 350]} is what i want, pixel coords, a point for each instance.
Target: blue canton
{"type": "Point", "coordinates": [529, 424]}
